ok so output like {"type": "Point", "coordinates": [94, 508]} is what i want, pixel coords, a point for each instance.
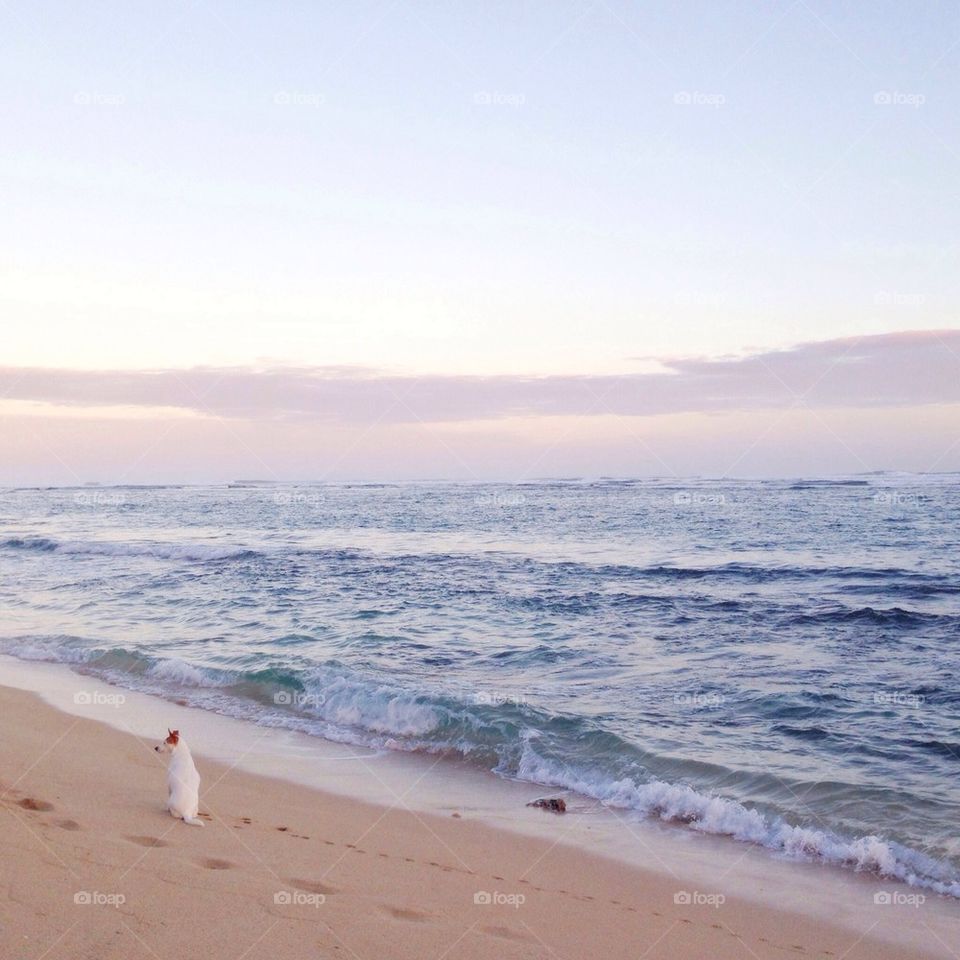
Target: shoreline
{"type": "Point", "coordinates": [668, 805]}
{"type": "Point", "coordinates": [442, 835]}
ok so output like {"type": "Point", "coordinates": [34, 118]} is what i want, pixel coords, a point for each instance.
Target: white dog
{"type": "Point", "coordinates": [183, 781]}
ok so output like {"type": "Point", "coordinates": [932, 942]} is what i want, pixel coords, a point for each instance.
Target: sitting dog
{"type": "Point", "coordinates": [183, 781]}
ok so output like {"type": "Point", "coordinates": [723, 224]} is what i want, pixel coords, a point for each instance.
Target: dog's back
{"type": "Point", "coordinates": [183, 780]}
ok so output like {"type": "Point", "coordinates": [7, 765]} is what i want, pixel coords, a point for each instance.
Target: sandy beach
{"type": "Point", "coordinates": [93, 866]}
{"type": "Point", "coordinates": [480, 480]}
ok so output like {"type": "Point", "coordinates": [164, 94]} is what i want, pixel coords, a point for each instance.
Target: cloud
{"type": "Point", "coordinates": [892, 370]}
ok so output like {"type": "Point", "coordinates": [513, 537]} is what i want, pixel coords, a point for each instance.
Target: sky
{"type": "Point", "coordinates": [393, 240]}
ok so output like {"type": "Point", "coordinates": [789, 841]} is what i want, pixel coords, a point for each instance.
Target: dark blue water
{"type": "Point", "coordinates": [776, 661]}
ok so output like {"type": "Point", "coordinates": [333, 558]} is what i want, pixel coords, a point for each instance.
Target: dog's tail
{"type": "Point", "coordinates": [193, 821]}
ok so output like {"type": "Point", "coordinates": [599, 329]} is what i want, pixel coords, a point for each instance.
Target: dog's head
{"type": "Point", "coordinates": [172, 740]}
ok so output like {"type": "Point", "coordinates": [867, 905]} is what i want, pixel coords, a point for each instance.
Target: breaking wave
{"type": "Point", "coordinates": [513, 739]}
{"type": "Point", "coordinates": [107, 548]}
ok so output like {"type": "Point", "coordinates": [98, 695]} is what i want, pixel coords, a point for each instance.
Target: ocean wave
{"type": "Point", "coordinates": [559, 601]}
{"type": "Point", "coordinates": [107, 548]}
{"type": "Point", "coordinates": [892, 616]}
{"type": "Point", "coordinates": [55, 649]}
{"type": "Point", "coordinates": [180, 672]}
{"type": "Point", "coordinates": [764, 573]}
{"type": "Point", "coordinates": [820, 484]}
{"type": "Point", "coordinates": [946, 749]}
{"type": "Point", "coordinates": [682, 804]}
{"type": "Point", "coordinates": [509, 736]}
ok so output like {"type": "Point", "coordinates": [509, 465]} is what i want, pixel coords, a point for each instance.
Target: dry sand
{"type": "Point", "coordinates": [91, 866]}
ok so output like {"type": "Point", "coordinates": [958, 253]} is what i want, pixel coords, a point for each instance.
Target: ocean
{"type": "Point", "coordinates": [773, 661]}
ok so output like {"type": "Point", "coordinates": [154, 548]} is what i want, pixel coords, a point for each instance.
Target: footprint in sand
{"type": "Point", "coordinates": [212, 863]}
{"type": "Point", "coordinates": [68, 825]}
{"type": "Point", "coordinates": [402, 913]}
{"type": "Point", "coordinates": [312, 886]}
{"type": "Point", "coordinates": [28, 803]}
{"type": "Point", "coordinates": [147, 841]}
